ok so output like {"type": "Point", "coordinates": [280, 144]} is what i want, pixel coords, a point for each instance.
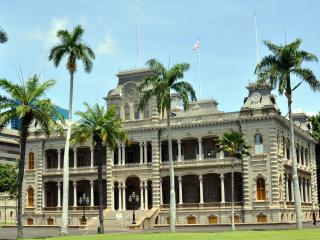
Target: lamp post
{"type": "Point", "coordinates": [133, 200]}
{"type": "Point", "coordinates": [84, 201]}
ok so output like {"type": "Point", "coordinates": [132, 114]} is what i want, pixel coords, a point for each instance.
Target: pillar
{"type": "Point", "coordinates": [221, 154]}
{"type": "Point", "coordinates": [91, 193]}
{"type": "Point", "coordinates": [91, 156]}
{"type": "Point", "coordinates": [141, 152]}
{"type": "Point", "coordinates": [113, 198]}
{"type": "Point", "coordinates": [146, 195]}
{"type": "Point", "coordinates": [292, 192]}
{"type": "Point", "coordinates": [141, 196]}
{"type": "Point", "coordinates": [180, 190]}
{"type": "Point", "coordinates": [161, 199]}
{"type": "Point", "coordinates": [59, 158]}
{"type": "Point", "coordinates": [59, 194]}
{"type": "Point", "coordinates": [75, 158]}
{"type": "Point", "coordinates": [305, 195]}
{"type": "Point", "coordinates": [120, 195]}
{"type": "Point", "coordinates": [145, 152]}
{"type": "Point", "coordinates": [179, 150]}
{"type": "Point", "coordinates": [123, 196]}
{"type": "Point", "coordinates": [123, 154]}
{"type": "Point", "coordinates": [287, 188]}
{"type": "Point", "coordinates": [201, 188]}
{"type": "Point", "coordinates": [119, 154]}
{"type": "Point", "coordinates": [74, 193]}
{"type": "Point", "coordinates": [200, 149]}
{"type": "Point", "coordinates": [222, 188]}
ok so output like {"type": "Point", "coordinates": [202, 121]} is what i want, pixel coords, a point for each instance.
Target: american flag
{"type": "Point", "coordinates": [196, 45]}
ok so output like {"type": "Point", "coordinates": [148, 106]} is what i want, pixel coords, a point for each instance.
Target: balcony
{"type": "Point", "coordinates": [78, 170]}
{"type": "Point", "coordinates": [133, 166]}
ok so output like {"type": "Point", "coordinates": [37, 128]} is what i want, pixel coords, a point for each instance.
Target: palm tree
{"type": "Point", "coordinates": [103, 128]}
{"type": "Point", "coordinates": [26, 101]}
{"type": "Point", "coordinates": [3, 36]}
{"type": "Point", "coordinates": [277, 69]}
{"type": "Point", "coordinates": [233, 142]}
{"type": "Point", "coordinates": [72, 47]}
{"type": "Point", "coordinates": [159, 85]}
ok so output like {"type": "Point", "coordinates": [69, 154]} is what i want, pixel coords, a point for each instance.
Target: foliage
{"type": "Point", "coordinates": [284, 61]}
{"type": "Point", "coordinates": [315, 122]}
{"type": "Point", "coordinates": [3, 36]}
{"type": "Point", "coordinates": [97, 124]}
{"type": "Point", "coordinates": [8, 179]}
{"type": "Point", "coordinates": [233, 143]}
{"type": "Point", "coordinates": [71, 45]}
{"type": "Point", "coordinates": [162, 81]}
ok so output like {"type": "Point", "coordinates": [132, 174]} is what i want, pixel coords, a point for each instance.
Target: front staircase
{"type": "Point", "coordinates": [122, 219]}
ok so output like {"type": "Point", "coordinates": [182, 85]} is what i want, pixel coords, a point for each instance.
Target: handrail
{"type": "Point", "coordinates": [125, 219]}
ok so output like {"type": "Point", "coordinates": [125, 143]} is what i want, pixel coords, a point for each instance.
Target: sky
{"type": "Point", "coordinates": [168, 30]}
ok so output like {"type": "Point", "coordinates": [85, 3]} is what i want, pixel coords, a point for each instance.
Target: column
{"type": "Point", "coordinates": [123, 196]}
{"type": "Point", "coordinates": [91, 193]}
{"type": "Point", "coordinates": [305, 191]}
{"type": "Point", "coordinates": [201, 188]}
{"type": "Point", "coordinates": [91, 156]}
{"type": "Point", "coordinates": [145, 152]}
{"type": "Point", "coordinates": [180, 190]}
{"type": "Point", "coordinates": [287, 188]}
{"type": "Point", "coordinates": [141, 196]}
{"type": "Point", "coordinates": [301, 189]}
{"type": "Point", "coordinates": [59, 194]}
{"type": "Point", "coordinates": [123, 154]}
{"type": "Point", "coordinates": [74, 193]}
{"type": "Point", "coordinates": [75, 158]}
{"type": "Point", "coordinates": [120, 196]}
{"type": "Point", "coordinates": [292, 192]}
{"type": "Point", "coordinates": [141, 152]}
{"type": "Point", "coordinates": [222, 188]}
{"type": "Point", "coordinates": [161, 200]}
{"type": "Point", "coordinates": [146, 195]}
{"type": "Point", "coordinates": [119, 154]}
{"type": "Point", "coordinates": [309, 192]}
{"type": "Point", "coordinates": [179, 150]}
{"type": "Point", "coordinates": [200, 148]}
{"type": "Point", "coordinates": [221, 154]}
{"type": "Point", "coordinates": [113, 198]}
{"type": "Point", "coordinates": [59, 158]}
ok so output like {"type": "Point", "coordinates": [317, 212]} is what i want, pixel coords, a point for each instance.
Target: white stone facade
{"type": "Point", "coordinates": [263, 191]}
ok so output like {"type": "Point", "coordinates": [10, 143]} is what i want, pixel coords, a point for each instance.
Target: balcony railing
{"type": "Point", "coordinates": [208, 161]}
{"type": "Point", "coordinates": [133, 165]}
{"type": "Point", "coordinates": [83, 169]}
{"type": "Point", "coordinates": [206, 205]}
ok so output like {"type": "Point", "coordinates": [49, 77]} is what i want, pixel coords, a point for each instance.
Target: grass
{"type": "Point", "coordinates": [306, 234]}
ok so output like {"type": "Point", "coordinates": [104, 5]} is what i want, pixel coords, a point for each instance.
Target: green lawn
{"type": "Point", "coordinates": [307, 234]}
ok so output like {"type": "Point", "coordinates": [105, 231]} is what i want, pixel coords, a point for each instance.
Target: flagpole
{"type": "Point", "coordinates": [199, 77]}
{"type": "Point", "coordinates": [256, 30]}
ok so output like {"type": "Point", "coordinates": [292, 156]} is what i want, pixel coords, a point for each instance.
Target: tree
{"type": "Point", "coordinates": [315, 122]}
{"type": "Point", "coordinates": [103, 129]}
{"type": "Point", "coordinates": [233, 143]}
{"type": "Point", "coordinates": [72, 47]}
{"type": "Point", "coordinates": [8, 179]}
{"type": "Point", "coordinates": [27, 102]}
{"type": "Point", "coordinates": [3, 36]}
{"type": "Point", "coordinates": [159, 85]}
{"type": "Point", "coordinates": [277, 68]}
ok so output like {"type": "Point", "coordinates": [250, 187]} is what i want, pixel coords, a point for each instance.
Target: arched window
{"type": "Point", "coordinates": [30, 221]}
{"type": "Point", "coordinates": [30, 202]}
{"type": "Point", "coordinates": [31, 161]}
{"type": "Point", "coordinates": [213, 219]}
{"type": "Point", "coordinates": [261, 218]}
{"type": "Point", "coordinates": [258, 144]}
{"type": "Point", "coordinates": [261, 189]}
{"type": "Point", "coordinates": [50, 221]}
{"type": "Point", "coordinates": [191, 220]}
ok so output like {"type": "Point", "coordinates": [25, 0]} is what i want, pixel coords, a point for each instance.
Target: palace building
{"type": "Point", "coordinates": [263, 182]}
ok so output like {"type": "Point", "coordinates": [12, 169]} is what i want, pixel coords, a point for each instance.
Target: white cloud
{"type": "Point", "coordinates": [56, 24]}
{"type": "Point", "coordinates": [300, 110]}
{"type": "Point", "coordinates": [107, 46]}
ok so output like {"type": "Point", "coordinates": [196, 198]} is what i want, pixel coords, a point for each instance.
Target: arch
{"type": "Point", "coordinates": [191, 220]}
{"type": "Point", "coordinates": [237, 218]}
{"type": "Point", "coordinates": [31, 161]}
{"type": "Point", "coordinates": [191, 189]}
{"type": "Point", "coordinates": [212, 219]}
{"type": "Point", "coordinates": [51, 194]}
{"type": "Point", "coordinates": [30, 197]}
{"type": "Point", "coordinates": [51, 156]}
{"type": "Point", "coordinates": [211, 188]}
{"type": "Point", "coordinates": [209, 147]}
{"type": "Point", "coordinates": [50, 221]}
{"type": "Point", "coordinates": [29, 221]}
{"type": "Point", "coordinates": [238, 187]}
{"type": "Point", "coordinates": [258, 144]}
{"type": "Point", "coordinates": [132, 185]}
{"type": "Point", "coordinates": [261, 189]}
{"type": "Point", "coordinates": [261, 218]}
{"type": "Point", "coordinates": [166, 189]}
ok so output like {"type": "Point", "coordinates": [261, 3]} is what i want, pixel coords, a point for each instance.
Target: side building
{"type": "Point", "coordinates": [263, 181]}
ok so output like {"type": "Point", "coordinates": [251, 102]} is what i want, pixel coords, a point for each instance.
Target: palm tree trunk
{"type": "Point", "coordinates": [65, 196]}
{"type": "Point", "coordinates": [23, 141]}
{"type": "Point", "coordinates": [171, 174]}
{"type": "Point", "coordinates": [100, 193]}
{"type": "Point", "coordinates": [232, 198]}
{"type": "Point", "coordinates": [297, 197]}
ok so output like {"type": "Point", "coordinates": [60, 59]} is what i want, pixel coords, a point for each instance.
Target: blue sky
{"type": "Point", "coordinates": [225, 28]}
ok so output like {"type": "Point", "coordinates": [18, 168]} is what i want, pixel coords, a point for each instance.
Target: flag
{"type": "Point", "coordinates": [196, 45]}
